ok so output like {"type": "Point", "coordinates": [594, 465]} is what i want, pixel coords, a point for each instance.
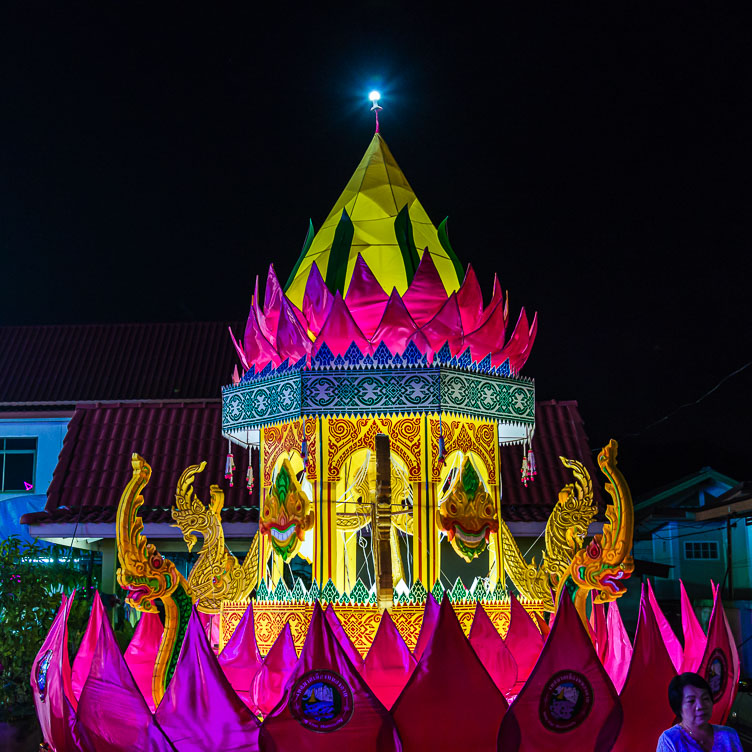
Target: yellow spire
{"type": "Point", "coordinates": [373, 198]}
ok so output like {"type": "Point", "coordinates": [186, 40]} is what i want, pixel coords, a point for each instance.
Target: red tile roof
{"type": "Point", "coordinates": [94, 464]}
{"type": "Point", "coordinates": [66, 364]}
{"type": "Point", "coordinates": [559, 432]}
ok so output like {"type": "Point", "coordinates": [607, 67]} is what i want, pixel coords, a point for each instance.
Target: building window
{"type": "Point", "coordinates": [17, 464]}
{"type": "Point", "coordinates": [700, 550]}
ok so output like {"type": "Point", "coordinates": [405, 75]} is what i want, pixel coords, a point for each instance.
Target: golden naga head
{"type": "Point", "coordinates": [468, 514]}
{"type": "Point", "coordinates": [286, 513]}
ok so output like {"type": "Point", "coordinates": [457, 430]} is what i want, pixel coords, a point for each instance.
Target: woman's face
{"type": "Point", "coordinates": [697, 706]}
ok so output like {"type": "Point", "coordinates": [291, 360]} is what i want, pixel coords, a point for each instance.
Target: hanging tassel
{"type": "Point", "coordinates": [304, 453]}
{"type": "Point", "coordinates": [531, 467]}
{"type": "Point", "coordinates": [441, 460]}
{"type": "Point", "coordinates": [523, 470]}
{"type": "Point", "coordinates": [229, 464]}
{"type": "Point", "coordinates": [249, 474]}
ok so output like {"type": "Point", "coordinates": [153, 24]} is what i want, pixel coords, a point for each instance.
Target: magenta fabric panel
{"type": "Point", "coordinates": [365, 298]}
{"type": "Point", "coordinates": [599, 628]}
{"type": "Point", "coordinates": [523, 640]}
{"type": "Point", "coordinates": [55, 709]}
{"type": "Point", "coordinates": [470, 301]}
{"type": "Point", "coordinates": [273, 295]}
{"type": "Point", "coordinates": [644, 697]}
{"type": "Point", "coordinates": [519, 360]}
{"type": "Point", "coordinates": [720, 662]}
{"type": "Point", "coordinates": [141, 654]}
{"type": "Point", "coordinates": [427, 627]}
{"type": "Point", "coordinates": [268, 686]}
{"type": "Point", "coordinates": [389, 663]}
{"type": "Point", "coordinates": [619, 652]}
{"type": "Point", "coordinates": [340, 330]}
{"type": "Point", "coordinates": [317, 300]}
{"type": "Point", "coordinates": [516, 344]}
{"type": "Point", "coordinates": [82, 661]}
{"type": "Point", "coordinates": [426, 294]}
{"type": "Point", "coordinates": [241, 660]}
{"type": "Point", "coordinates": [669, 638]}
{"type": "Point", "coordinates": [497, 298]}
{"type": "Point", "coordinates": [112, 713]}
{"type": "Point", "coordinates": [694, 637]}
{"type": "Point", "coordinates": [492, 651]}
{"type": "Point", "coordinates": [258, 349]}
{"type": "Point", "coordinates": [328, 705]}
{"type": "Point", "coordinates": [200, 710]}
{"type": "Point", "coordinates": [397, 327]}
{"type": "Point", "coordinates": [292, 341]}
{"type": "Point", "coordinates": [449, 684]}
{"type": "Point", "coordinates": [569, 702]}
{"type": "Point", "coordinates": [344, 641]}
{"type": "Point", "coordinates": [489, 337]}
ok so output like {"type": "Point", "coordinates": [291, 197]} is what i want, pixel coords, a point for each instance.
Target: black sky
{"type": "Point", "coordinates": [153, 160]}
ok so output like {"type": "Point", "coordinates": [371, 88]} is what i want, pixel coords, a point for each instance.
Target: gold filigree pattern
{"type": "Point", "coordinates": [287, 438]}
{"type": "Point", "coordinates": [464, 435]}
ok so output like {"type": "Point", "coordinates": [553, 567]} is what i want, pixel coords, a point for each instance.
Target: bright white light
{"type": "Point", "coordinates": [374, 96]}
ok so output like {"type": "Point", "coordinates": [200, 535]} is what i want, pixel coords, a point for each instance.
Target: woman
{"type": "Point", "coordinates": [690, 698]}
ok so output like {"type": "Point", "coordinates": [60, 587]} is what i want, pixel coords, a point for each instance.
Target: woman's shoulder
{"type": "Point", "coordinates": [726, 733]}
{"type": "Point", "coordinates": [669, 740]}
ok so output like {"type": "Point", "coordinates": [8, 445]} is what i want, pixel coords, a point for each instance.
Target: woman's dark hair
{"type": "Point", "coordinates": [676, 689]}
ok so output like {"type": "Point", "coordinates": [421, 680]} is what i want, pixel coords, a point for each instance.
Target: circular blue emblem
{"type": "Point", "coordinates": [321, 701]}
{"type": "Point", "coordinates": [566, 701]}
{"type": "Point", "coordinates": [716, 674]}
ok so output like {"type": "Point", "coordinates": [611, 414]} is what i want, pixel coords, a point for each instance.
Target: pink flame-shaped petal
{"type": "Point", "coordinates": [520, 360]}
{"type": "Point", "coordinates": [445, 326]}
{"type": "Point", "coordinates": [258, 349]}
{"type": "Point", "coordinates": [496, 298]}
{"type": "Point", "coordinates": [273, 295]}
{"type": "Point", "coordinates": [470, 300]}
{"type": "Point", "coordinates": [396, 327]}
{"type": "Point", "coordinates": [317, 300]}
{"type": "Point", "coordinates": [426, 294]}
{"type": "Point", "coordinates": [489, 337]}
{"type": "Point", "coordinates": [365, 298]}
{"type": "Point", "coordinates": [492, 651]}
{"type": "Point", "coordinates": [82, 661]}
{"type": "Point", "coordinates": [516, 344]}
{"type": "Point", "coordinates": [292, 341]}
{"type": "Point", "coordinates": [241, 354]}
{"type": "Point", "coordinates": [340, 330]}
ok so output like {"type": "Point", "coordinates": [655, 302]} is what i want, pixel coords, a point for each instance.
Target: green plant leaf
{"type": "Point", "coordinates": [403, 229]}
{"type": "Point", "coordinates": [446, 245]}
{"type": "Point", "coordinates": [336, 269]}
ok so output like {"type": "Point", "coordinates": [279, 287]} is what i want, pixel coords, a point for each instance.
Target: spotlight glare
{"type": "Point", "coordinates": [374, 96]}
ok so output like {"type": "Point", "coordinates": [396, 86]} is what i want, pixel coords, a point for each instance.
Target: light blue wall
{"type": "Point", "coordinates": [49, 433]}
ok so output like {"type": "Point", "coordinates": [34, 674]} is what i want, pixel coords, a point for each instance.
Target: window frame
{"type": "Point", "coordinates": [696, 547]}
{"type": "Point", "coordinates": [4, 452]}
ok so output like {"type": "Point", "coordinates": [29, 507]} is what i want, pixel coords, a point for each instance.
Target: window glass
{"type": "Point", "coordinates": [17, 464]}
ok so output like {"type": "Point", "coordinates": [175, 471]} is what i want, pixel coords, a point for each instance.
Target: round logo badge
{"type": "Point", "coordinates": [716, 673]}
{"type": "Point", "coordinates": [40, 675]}
{"type": "Point", "coordinates": [321, 701]}
{"type": "Point", "coordinates": [565, 701]}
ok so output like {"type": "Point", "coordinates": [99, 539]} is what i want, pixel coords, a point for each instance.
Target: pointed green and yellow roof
{"type": "Point", "coordinates": [379, 217]}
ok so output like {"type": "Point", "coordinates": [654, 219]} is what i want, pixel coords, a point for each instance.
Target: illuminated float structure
{"type": "Point", "coordinates": [377, 389]}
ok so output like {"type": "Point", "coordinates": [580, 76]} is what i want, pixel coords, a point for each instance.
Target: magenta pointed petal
{"type": "Point", "coordinates": [445, 326]}
{"type": "Point", "coordinates": [344, 641]}
{"type": "Point", "coordinates": [488, 338]}
{"type": "Point", "coordinates": [389, 662]}
{"type": "Point", "coordinates": [433, 693]}
{"type": "Point", "coordinates": [141, 654]}
{"type": "Point", "coordinates": [470, 300]}
{"type": "Point", "coordinates": [496, 299]}
{"type": "Point", "coordinates": [492, 651]}
{"type": "Point", "coordinates": [317, 300]}
{"type": "Point", "coordinates": [239, 350]}
{"type": "Point", "coordinates": [523, 640]}
{"type": "Point", "coordinates": [618, 648]}
{"type": "Point", "coordinates": [427, 626]}
{"type": "Point", "coordinates": [258, 350]}
{"type": "Point", "coordinates": [516, 344]}
{"type": "Point", "coordinates": [268, 686]}
{"type": "Point", "coordinates": [365, 298]}
{"type": "Point", "coordinates": [200, 709]}
{"type": "Point", "coordinates": [82, 662]}
{"type": "Point", "coordinates": [396, 327]}
{"type": "Point", "coordinates": [519, 361]}
{"type": "Point", "coordinates": [370, 728]}
{"type": "Point", "coordinates": [112, 712]}
{"type": "Point", "coordinates": [240, 659]}
{"type": "Point", "coordinates": [292, 341]}
{"type": "Point", "coordinates": [426, 294]}
{"type": "Point", "coordinates": [673, 646]}
{"type": "Point", "coordinates": [273, 294]}
{"type": "Point", "coordinates": [339, 330]}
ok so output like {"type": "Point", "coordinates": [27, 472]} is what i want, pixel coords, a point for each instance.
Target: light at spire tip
{"type": "Point", "coordinates": [374, 96]}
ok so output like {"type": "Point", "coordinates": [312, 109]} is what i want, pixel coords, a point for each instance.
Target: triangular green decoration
{"type": "Point", "coordinates": [262, 592]}
{"type": "Point", "coordinates": [499, 593]}
{"type": "Point", "coordinates": [400, 599]}
{"type": "Point", "coordinates": [336, 269]}
{"type": "Point", "coordinates": [403, 229]}
{"type": "Point", "coordinates": [330, 592]}
{"type": "Point", "coordinates": [299, 594]}
{"type": "Point", "coordinates": [314, 592]}
{"type": "Point", "coordinates": [359, 594]}
{"type": "Point", "coordinates": [459, 592]}
{"type": "Point", "coordinates": [281, 593]}
{"type": "Point", "coordinates": [372, 598]}
{"type": "Point", "coordinates": [282, 484]}
{"type": "Point", "coordinates": [437, 591]}
{"type": "Point", "coordinates": [478, 591]}
{"type": "Point", "coordinates": [418, 593]}
{"type": "Point", "coordinates": [306, 246]}
{"type": "Point", "coordinates": [444, 240]}
{"type": "Point", "coordinates": [344, 598]}
{"type": "Point", "coordinates": [470, 480]}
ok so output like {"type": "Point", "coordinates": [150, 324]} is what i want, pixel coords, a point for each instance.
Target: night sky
{"type": "Point", "coordinates": [153, 161]}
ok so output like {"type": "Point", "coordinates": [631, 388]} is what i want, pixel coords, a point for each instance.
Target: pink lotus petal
{"type": "Point", "coordinates": [396, 327]}
{"type": "Point", "coordinates": [470, 300]}
{"type": "Point", "coordinates": [342, 638]}
{"type": "Point", "coordinates": [268, 332]}
{"type": "Point", "coordinates": [492, 651]}
{"type": "Point", "coordinates": [489, 337]}
{"type": "Point", "coordinates": [273, 295]}
{"type": "Point", "coordinates": [340, 330]}
{"type": "Point", "coordinates": [519, 361]}
{"type": "Point", "coordinates": [269, 684]}
{"type": "Point", "coordinates": [517, 342]}
{"type": "Point", "coordinates": [365, 298]}
{"type": "Point", "coordinates": [317, 300]}
{"type": "Point", "coordinates": [240, 351]}
{"type": "Point", "coordinates": [496, 298]}
{"type": "Point", "coordinates": [258, 349]}
{"type": "Point", "coordinates": [292, 341]}
{"type": "Point", "coordinates": [85, 654]}
{"type": "Point", "coordinates": [445, 326]}
{"type": "Point", "coordinates": [426, 293]}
